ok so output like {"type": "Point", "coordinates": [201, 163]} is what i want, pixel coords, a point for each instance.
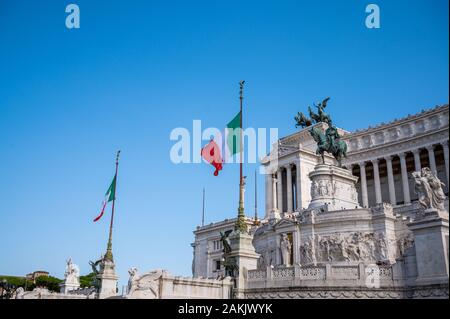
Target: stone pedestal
{"type": "Point", "coordinates": [65, 287]}
{"type": "Point", "coordinates": [333, 188]}
{"type": "Point", "coordinates": [243, 251]}
{"type": "Point", "coordinates": [108, 279]}
{"type": "Point", "coordinates": [431, 237]}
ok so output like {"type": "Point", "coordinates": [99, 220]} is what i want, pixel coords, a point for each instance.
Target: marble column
{"type": "Point", "coordinates": [290, 209]}
{"type": "Point", "coordinates": [279, 190]}
{"type": "Point", "coordinates": [405, 182]}
{"type": "Point", "coordinates": [269, 194]}
{"type": "Point", "coordinates": [299, 185]}
{"type": "Point", "coordinates": [391, 183]}
{"type": "Point", "coordinates": [376, 178]}
{"type": "Point", "coordinates": [274, 193]}
{"type": "Point", "coordinates": [446, 159]}
{"type": "Point", "coordinates": [432, 159]}
{"type": "Point", "coordinates": [417, 164]}
{"type": "Point", "coordinates": [364, 197]}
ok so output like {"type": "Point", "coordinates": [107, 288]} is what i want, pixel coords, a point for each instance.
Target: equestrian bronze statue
{"type": "Point", "coordinates": [330, 141]}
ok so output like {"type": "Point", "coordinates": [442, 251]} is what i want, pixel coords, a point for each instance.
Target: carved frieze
{"type": "Point", "coordinates": [356, 246]}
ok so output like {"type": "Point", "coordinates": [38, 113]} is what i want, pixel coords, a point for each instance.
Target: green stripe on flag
{"type": "Point", "coordinates": [111, 190]}
{"type": "Point", "coordinates": [234, 133]}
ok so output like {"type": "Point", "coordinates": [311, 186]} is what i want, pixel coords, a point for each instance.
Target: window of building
{"type": "Point", "coordinates": [217, 245]}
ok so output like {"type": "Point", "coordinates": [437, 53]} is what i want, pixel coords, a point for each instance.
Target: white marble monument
{"type": "Point", "coordinates": [108, 279]}
{"type": "Point", "coordinates": [71, 277]}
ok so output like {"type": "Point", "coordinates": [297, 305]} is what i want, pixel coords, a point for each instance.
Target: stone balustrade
{"type": "Point", "coordinates": [326, 275]}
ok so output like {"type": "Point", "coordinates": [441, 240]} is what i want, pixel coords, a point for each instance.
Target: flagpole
{"type": "Point", "coordinates": [256, 199]}
{"type": "Point", "coordinates": [109, 255]}
{"type": "Point", "coordinates": [240, 225]}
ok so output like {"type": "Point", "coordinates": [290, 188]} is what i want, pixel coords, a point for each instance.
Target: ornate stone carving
{"type": "Point", "coordinates": [283, 273]}
{"type": "Point", "coordinates": [72, 273]}
{"type": "Point", "coordinates": [379, 137]}
{"type": "Point", "coordinates": [144, 286]}
{"type": "Point", "coordinates": [307, 252]}
{"type": "Point", "coordinates": [333, 187]}
{"type": "Point", "coordinates": [429, 189]}
{"type": "Point", "coordinates": [404, 243]}
{"type": "Point", "coordinates": [286, 250]}
{"type": "Point", "coordinates": [338, 294]}
{"type": "Point", "coordinates": [382, 208]}
{"type": "Point", "coordinates": [256, 274]}
{"type": "Point", "coordinates": [382, 245]}
{"type": "Point", "coordinates": [355, 246]}
{"type": "Point", "coordinates": [313, 273]}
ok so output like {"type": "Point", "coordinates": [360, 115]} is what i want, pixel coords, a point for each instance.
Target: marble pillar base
{"type": "Point", "coordinates": [431, 234]}
{"type": "Point", "coordinates": [108, 279]}
{"type": "Point", "coordinates": [243, 251]}
{"type": "Point", "coordinates": [333, 188]}
{"type": "Point", "coordinates": [65, 287]}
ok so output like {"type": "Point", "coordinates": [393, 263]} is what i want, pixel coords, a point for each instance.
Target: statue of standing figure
{"type": "Point", "coordinates": [286, 249]}
{"type": "Point", "coordinates": [307, 252]}
{"type": "Point", "coordinates": [72, 273]}
{"type": "Point", "coordinates": [228, 262]}
{"type": "Point", "coordinates": [429, 189]}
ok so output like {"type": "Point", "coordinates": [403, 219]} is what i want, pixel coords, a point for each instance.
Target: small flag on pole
{"type": "Point", "coordinates": [109, 197]}
{"type": "Point", "coordinates": [233, 135]}
{"type": "Point", "coordinates": [211, 153]}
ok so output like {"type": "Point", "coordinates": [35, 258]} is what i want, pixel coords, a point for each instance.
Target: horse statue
{"type": "Point", "coordinates": [321, 116]}
{"type": "Point", "coordinates": [321, 140]}
{"type": "Point", "coordinates": [329, 142]}
{"type": "Point", "coordinates": [302, 120]}
{"type": "Point", "coordinates": [315, 117]}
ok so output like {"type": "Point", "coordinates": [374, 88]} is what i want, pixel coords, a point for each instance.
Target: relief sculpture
{"type": "Point", "coordinates": [357, 246]}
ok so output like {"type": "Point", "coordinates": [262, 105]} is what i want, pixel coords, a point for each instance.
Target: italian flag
{"type": "Point", "coordinates": [110, 195]}
{"type": "Point", "coordinates": [211, 151]}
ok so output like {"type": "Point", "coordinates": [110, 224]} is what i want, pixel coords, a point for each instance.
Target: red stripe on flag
{"type": "Point", "coordinates": [102, 212]}
{"type": "Point", "coordinates": [211, 154]}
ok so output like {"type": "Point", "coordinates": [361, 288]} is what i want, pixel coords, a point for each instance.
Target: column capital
{"type": "Point", "coordinates": [402, 155]}
{"type": "Point", "coordinates": [288, 166]}
{"type": "Point", "coordinates": [430, 147]}
{"type": "Point", "coordinates": [374, 161]}
{"type": "Point", "coordinates": [362, 164]}
{"type": "Point", "coordinates": [388, 158]}
{"type": "Point", "coordinates": [416, 151]}
{"type": "Point", "coordinates": [444, 144]}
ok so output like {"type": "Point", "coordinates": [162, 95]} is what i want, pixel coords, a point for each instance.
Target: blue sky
{"type": "Point", "coordinates": [135, 70]}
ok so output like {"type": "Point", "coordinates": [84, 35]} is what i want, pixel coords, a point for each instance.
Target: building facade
{"type": "Point", "coordinates": [329, 231]}
{"type": "Point", "coordinates": [382, 157]}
